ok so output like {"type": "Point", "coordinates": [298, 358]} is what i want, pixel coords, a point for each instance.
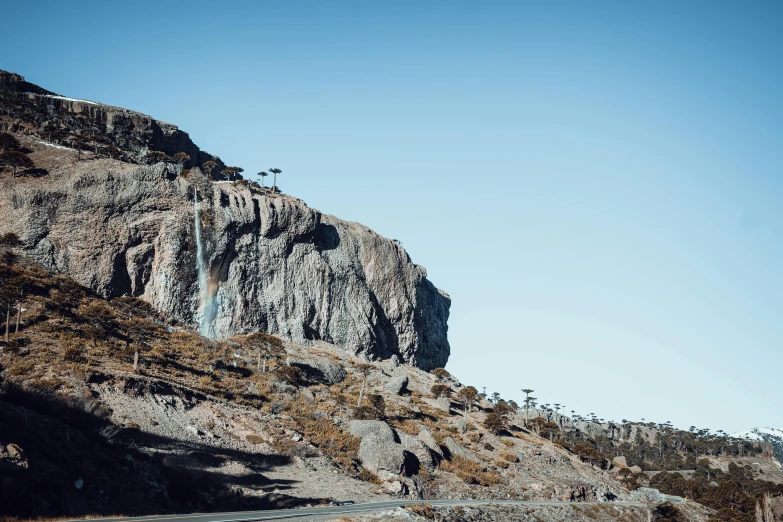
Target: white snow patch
{"type": "Point", "coordinates": [758, 433]}
{"type": "Point", "coordinates": [70, 99]}
{"type": "Point", "coordinates": [54, 146]}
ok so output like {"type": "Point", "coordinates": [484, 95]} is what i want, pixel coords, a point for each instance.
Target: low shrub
{"type": "Point", "coordinates": [470, 472]}
{"type": "Point", "coordinates": [368, 476]}
{"type": "Point", "coordinates": [508, 456]}
{"type": "Point", "coordinates": [425, 511]}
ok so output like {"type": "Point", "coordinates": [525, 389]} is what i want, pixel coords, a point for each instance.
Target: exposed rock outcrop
{"type": "Point", "coordinates": [425, 435]}
{"type": "Point", "coordinates": [456, 449]}
{"type": "Point", "coordinates": [132, 132]}
{"type": "Point", "coordinates": [398, 384]}
{"type": "Point", "coordinates": [319, 370]}
{"type": "Point", "coordinates": [417, 448]}
{"type": "Point", "coordinates": [372, 428]}
{"type": "Point", "coordinates": [379, 455]}
{"type": "Point", "coordinates": [275, 264]}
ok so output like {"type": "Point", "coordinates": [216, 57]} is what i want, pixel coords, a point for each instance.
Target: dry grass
{"type": "Point", "coordinates": [470, 472]}
{"type": "Point", "coordinates": [509, 457]}
{"type": "Point", "coordinates": [425, 511]}
{"type": "Point", "coordinates": [368, 476]}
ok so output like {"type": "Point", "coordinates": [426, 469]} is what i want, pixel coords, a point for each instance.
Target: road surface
{"type": "Point", "coordinates": [278, 514]}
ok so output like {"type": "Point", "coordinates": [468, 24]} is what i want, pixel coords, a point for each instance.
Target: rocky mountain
{"type": "Point", "coordinates": [227, 257]}
{"type": "Point", "coordinates": [29, 108]}
{"type": "Point", "coordinates": [180, 344]}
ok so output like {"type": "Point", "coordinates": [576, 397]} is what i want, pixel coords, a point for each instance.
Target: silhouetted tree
{"type": "Point", "coordinates": [527, 393]}
{"type": "Point", "coordinates": [8, 142]}
{"type": "Point", "coordinates": [180, 158]}
{"type": "Point", "coordinates": [231, 172]}
{"type": "Point", "coordinates": [263, 175]}
{"type": "Point", "coordinates": [15, 161]}
{"type": "Point", "coordinates": [275, 172]}
{"type": "Point", "coordinates": [208, 166]}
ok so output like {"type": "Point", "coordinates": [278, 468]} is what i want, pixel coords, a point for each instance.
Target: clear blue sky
{"type": "Point", "coordinates": [596, 184]}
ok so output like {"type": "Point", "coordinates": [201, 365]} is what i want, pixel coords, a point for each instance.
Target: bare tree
{"type": "Point", "coordinates": [365, 370]}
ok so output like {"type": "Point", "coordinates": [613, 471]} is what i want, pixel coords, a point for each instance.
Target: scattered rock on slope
{"type": "Point", "coordinates": [319, 370]}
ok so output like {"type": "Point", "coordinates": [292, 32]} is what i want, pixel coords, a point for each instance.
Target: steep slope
{"type": "Point", "coordinates": [272, 263]}
{"type": "Point", "coordinates": [98, 398]}
{"type": "Point", "coordinates": [30, 108]}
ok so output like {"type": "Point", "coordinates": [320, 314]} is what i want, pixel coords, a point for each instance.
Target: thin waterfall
{"type": "Point", "coordinates": [204, 299]}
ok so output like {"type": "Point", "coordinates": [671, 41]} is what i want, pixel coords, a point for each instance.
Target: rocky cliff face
{"type": "Point", "coordinates": [274, 264]}
{"type": "Point", "coordinates": [33, 109]}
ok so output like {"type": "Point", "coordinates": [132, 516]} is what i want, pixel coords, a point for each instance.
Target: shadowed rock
{"type": "Point", "coordinates": [319, 370]}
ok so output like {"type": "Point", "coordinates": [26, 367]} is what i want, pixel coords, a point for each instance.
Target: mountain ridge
{"type": "Point", "coordinates": [271, 263]}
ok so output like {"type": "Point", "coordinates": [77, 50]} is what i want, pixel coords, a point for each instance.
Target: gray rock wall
{"type": "Point", "coordinates": [275, 264]}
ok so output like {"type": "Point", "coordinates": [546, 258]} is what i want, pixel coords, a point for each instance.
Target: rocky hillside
{"type": "Point", "coordinates": [772, 436]}
{"type": "Point", "coordinates": [105, 405]}
{"type": "Point", "coordinates": [119, 132]}
{"type": "Point", "coordinates": [270, 262]}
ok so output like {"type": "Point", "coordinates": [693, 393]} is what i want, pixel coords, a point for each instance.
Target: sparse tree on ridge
{"type": "Point", "coordinates": [527, 393]}
{"type": "Point", "coordinates": [467, 396]}
{"type": "Point", "coordinates": [180, 158]}
{"type": "Point", "coordinates": [231, 172]}
{"type": "Point", "coordinates": [263, 175]}
{"type": "Point", "coordinates": [156, 156]}
{"type": "Point", "coordinates": [208, 166]}
{"type": "Point", "coordinates": [275, 172]}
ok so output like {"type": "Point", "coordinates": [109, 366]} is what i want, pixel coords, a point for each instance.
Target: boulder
{"type": "Point", "coordinates": [12, 458]}
{"type": "Point", "coordinates": [425, 435]}
{"type": "Point", "coordinates": [635, 469]}
{"type": "Point", "coordinates": [620, 462]}
{"type": "Point", "coordinates": [396, 488]}
{"type": "Point", "coordinates": [443, 404]}
{"type": "Point", "coordinates": [647, 495]}
{"type": "Point", "coordinates": [319, 370]}
{"type": "Point", "coordinates": [398, 384]}
{"type": "Point", "coordinates": [417, 448]}
{"type": "Point", "coordinates": [380, 455]}
{"type": "Point", "coordinates": [455, 448]}
{"type": "Point", "coordinates": [375, 428]}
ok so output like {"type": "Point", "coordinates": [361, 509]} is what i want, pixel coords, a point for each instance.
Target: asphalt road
{"type": "Point", "coordinates": [277, 514]}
